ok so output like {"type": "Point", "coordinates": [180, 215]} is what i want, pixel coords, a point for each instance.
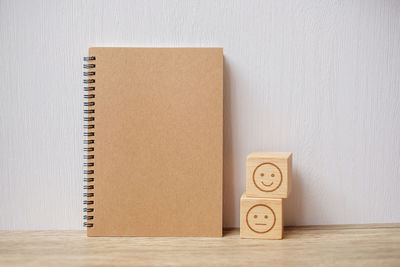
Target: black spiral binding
{"type": "Point", "coordinates": [89, 126]}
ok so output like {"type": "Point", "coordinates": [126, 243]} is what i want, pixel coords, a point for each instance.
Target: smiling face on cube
{"type": "Point", "coordinates": [267, 177]}
{"type": "Point", "coordinates": [260, 218]}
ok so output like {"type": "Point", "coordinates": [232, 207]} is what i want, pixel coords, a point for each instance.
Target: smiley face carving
{"type": "Point", "coordinates": [267, 177]}
{"type": "Point", "coordinates": [260, 218]}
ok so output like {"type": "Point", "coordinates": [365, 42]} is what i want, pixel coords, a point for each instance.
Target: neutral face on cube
{"type": "Point", "coordinates": [260, 218]}
{"type": "Point", "coordinates": [267, 177]}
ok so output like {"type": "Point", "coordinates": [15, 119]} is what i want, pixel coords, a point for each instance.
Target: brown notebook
{"type": "Point", "coordinates": [154, 123]}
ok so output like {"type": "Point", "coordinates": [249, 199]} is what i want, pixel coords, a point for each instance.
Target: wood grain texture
{"type": "Point", "coordinates": [317, 78]}
{"type": "Point", "coordinates": [302, 246]}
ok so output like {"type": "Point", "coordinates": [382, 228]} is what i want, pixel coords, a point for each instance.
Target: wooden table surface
{"type": "Point", "coordinates": [355, 245]}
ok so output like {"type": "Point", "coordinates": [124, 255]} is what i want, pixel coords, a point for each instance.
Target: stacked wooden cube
{"type": "Point", "coordinates": [268, 182]}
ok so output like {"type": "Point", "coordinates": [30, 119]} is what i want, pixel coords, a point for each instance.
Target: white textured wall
{"type": "Point", "coordinates": [318, 78]}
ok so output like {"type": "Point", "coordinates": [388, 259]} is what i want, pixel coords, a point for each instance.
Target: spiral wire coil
{"type": "Point", "coordinates": [89, 126]}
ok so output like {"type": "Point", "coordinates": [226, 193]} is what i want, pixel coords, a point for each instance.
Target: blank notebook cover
{"type": "Point", "coordinates": [154, 153]}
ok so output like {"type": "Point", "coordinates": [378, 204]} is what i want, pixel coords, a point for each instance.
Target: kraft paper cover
{"type": "Point", "coordinates": [158, 142]}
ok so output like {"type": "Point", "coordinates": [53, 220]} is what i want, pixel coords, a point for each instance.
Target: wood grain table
{"type": "Point", "coordinates": [346, 245]}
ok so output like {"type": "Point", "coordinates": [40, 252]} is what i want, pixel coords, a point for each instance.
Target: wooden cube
{"type": "Point", "coordinates": [269, 174]}
{"type": "Point", "coordinates": [261, 217]}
